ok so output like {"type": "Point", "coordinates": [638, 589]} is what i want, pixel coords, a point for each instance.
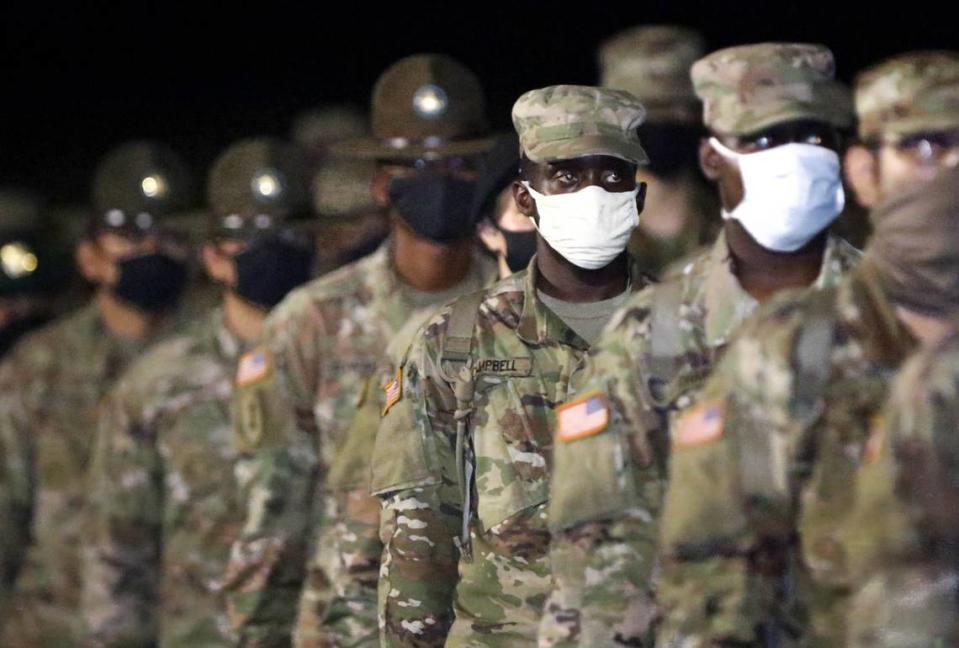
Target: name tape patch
{"type": "Point", "coordinates": [505, 366]}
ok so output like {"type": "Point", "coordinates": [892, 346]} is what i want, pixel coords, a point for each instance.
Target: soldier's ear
{"type": "Point", "coordinates": [88, 261]}
{"type": "Point", "coordinates": [524, 201]}
{"type": "Point", "coordinates": [380, 187]}
{"type": "Point", "coordinates": [710, 161]}
{"type": "Point", "coordinates": [861, 169]}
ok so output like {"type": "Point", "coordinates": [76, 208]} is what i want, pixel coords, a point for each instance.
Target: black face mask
{"type": "Point", "coordinates": [520, 248]}
{"type": "Point", "coordinates": [269, 269]}
{"type": "Point", "coordinates": [671, 147]}
{"type": "Point", "coordinates": [437, 207]}
{"type": "Point", "coordinates": [151, 282]}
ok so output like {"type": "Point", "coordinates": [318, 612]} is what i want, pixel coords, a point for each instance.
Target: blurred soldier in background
{"type": "Point", "coordinates": [506, 232]}
{"type": "Point", "coordinates": [352, 225]}
{"type": "Point", "coordinates": [908, 108]}
{"type": "Point", "coordinates": [320, 347]}
{"type": "Point", "coordinates": [32, 268]}
{"type": "Point", "coordinates": [52, 382]}
{"type": "Point", "coordinates": [319, 129]}
{"type": "Point", "coordinates": [167, 485]}
{"type": "Point", "coordinates": [652, 62]}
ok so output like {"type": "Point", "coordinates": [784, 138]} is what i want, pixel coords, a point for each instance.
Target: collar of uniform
{"type": "Point", "coordinates": [727, 305]}
{"type": "Point", "coordinates": [538, 324]}
{"type": "Point", "coordinates": [227, 345]}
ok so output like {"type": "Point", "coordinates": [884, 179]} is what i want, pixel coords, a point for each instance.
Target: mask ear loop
{"type": "Point", "coordinates": [724, 150]}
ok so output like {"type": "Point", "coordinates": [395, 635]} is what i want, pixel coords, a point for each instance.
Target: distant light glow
{"type": "Point", "coordinates": [18, 260]}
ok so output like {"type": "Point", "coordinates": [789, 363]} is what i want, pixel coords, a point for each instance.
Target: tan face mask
{"type": "Point", "coordinates": [915, 246]}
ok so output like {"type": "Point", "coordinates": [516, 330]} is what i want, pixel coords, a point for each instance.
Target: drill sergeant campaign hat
{"type": "Point", "coordinates": [258, 186]}
{"type": "Point", "coordinates": [652, 63]}
{"type": "Point", "coordinates": [748, 88]}
{"type": "Point", "coordinates": [426, 105]}
{"type": "Point", "coordinates": [908, 94]}
{"type": "Point", "coordinates": [563, 122]}
{"type": "Point", "coordinates": [137, 186]}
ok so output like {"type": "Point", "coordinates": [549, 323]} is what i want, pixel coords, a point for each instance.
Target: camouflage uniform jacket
{"type": "Point", "coordinates": [320, 346]}
{"type": "Point", "coordinates": [650, 361]}
{"type": "Point", "coordinates": [762, 471]}
{"type": "Point", "coordinates": [51, 384]}
{"type": "Point", "coordinates": [902, 532]}
{"type": "Point", "coordinates": [165, 507]}
{"type": "Point", "coordinates": [338, 604]}
{"type": "Point", "coordinates": [433, 589]}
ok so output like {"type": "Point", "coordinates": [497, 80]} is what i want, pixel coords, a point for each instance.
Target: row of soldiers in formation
{"type": "Point", "coordinates": [428, 447]}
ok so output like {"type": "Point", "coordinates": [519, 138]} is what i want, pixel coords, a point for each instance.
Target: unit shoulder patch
{"type": "Point", "coordinates": [583, 417]}
{"type": "Point", "coordinates": [700, 425]}
{"type": "Point", "coordinates": [254, 365]}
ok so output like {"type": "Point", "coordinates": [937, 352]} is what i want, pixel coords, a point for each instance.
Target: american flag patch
{"type": "Point", "coordinates": [253, 366]}
{"type": "Point", "coordinates": [582, 417]}
{"type": "Point", "coordinates": [394, 391]}
{"type": "Point", "coordinates": [702, 424]}
{"type": "Point", "coordinates": [872, 451]}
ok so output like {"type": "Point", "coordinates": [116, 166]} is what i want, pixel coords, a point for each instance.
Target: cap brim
{"type": "Point", "coordinates": [376, 149]}
{"type": "Point", "coordinates": [569, 149]}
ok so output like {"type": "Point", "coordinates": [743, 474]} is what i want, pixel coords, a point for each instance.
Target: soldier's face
{"type": "Point", "coordinates": [725, 172]}
{"type": "Point", "coordinates": [569, 176]}
{"type": "Point", "coordinates": [99, 257]}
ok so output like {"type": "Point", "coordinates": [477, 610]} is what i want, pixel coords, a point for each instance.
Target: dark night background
{"type": "Point", "coordinates": [78, 79]}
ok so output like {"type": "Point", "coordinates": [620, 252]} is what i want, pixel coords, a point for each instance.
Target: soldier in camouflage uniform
{"type": "Point", "coordinates": [51, 384]}
{"type": "Point", "coordinates": [463, 454]}
{"type": "Point", "coordinates": [657, 352]}
{"type": "Point", "coordinates": [762, 471]}
{"type": "Point", "coordinates": [322, 344]}
{"type": "Point", "coordinates": [165, 504]}
{"type": "Point", "coordinates": [652, 62]}
{"type": "Point", "coordinates": [908, 109]}
{"type": "Point", "coordinates": [903, 530]}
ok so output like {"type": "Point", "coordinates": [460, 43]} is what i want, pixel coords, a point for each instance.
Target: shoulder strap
{"type": "Point", "coordinates": [664, 343]}
{"type": "Point", "coordinates": [459, 332]}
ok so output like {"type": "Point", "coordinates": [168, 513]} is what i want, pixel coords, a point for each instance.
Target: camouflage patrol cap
{"type": "Point", "coordinates": [426, 105]}
{"type": "Point", "coordinates": [652, 62]}
{"type": "Point", "coordinates": [909, 93]}
{"type": "Point", "coordinates": [341, 188]}
{"type": "Point", "coordinates": [748, 88]}
{"type": "Point", "coordinates": [141, 176]}
{"type": "Point", "coordinates": [568, 121]}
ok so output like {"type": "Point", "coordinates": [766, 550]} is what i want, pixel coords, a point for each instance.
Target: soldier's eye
{"type": "Point", "coordinates": [566, 177]}
{"type": "Point", "coordinates": [763, 142]}
{"type": "Point", "coordinates": [614, 177]}
{"type": "Point", "coordinates": [813, 139]}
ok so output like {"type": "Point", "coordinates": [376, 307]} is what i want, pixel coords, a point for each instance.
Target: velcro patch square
{"type": "Point", "coordinates": [253, 366]}
{"type": "Point", "coordinates": [583, 417]}
{"type": "Point", "coordinates": [394, 391]}
{"type": "Point", "coordinates": [699, 425]}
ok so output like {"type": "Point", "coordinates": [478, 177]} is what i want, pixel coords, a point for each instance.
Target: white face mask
{"type": "Point", "coordinates": [790, 193]}
{"type": "Point", "coordinates": [589, 227]}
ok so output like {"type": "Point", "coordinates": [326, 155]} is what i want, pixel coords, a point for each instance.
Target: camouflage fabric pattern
{"type": "Point", "coordinates": [762, 472]}
{"type": "Point", "coordinates": [51, 384]}
{"type": "Point", "coordinates": [747, 88]}
{"type": "Point", "coordinates": [651, 361]}
{"type": "Point", "coordinates": [903, 528]}
{"type": "Point", "coordinates": [348, 553]}
{"type": "Point", "coordinates": [569, 121]}
{"type": "Point", "coordinates": [908, 93]}
{"type": "Point", "coordinates": [164, 505]}
{"type": "Point", "coordinates": [652, 63]}
{"type": "Point", "coordinates": [522, 360]}
{"type": "Point", "coordinates": [324, 341]}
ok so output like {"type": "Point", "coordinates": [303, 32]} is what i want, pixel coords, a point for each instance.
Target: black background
{"type": "Point", "coordinates": [78, 79]}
